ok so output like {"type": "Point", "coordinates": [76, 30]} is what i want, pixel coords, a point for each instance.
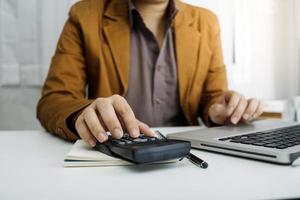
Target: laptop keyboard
{"type": "Point", "coordinates": [281, 138]}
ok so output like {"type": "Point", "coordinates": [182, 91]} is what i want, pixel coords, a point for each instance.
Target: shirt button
{"type": "Point", "coordinates": [156, 50]}
{"type": "Point", "coordinates": [158, 68]}
{"type": "Point", "coordinates": [157, 101]}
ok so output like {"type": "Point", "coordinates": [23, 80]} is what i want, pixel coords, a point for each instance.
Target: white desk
{"type": "Point", "coordinates": [31, 168]}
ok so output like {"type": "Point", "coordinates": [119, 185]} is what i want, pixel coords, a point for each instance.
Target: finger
{"type": "Point", "coordinates": [227, 95]}
{"type": "Point", "coordinates": [101, 120]}
{"type": "Point", "coordinates": [145, 129]}
{"type": "Point", "coordinates": [126, 114]}
{"type": "Point", "coordinates": [93, 123]}
{"type": "Point", "coordinates": [259, 111]}
{"type": "Point", "coordinates": [251, 109]}
{"type": "Point", "coordinates": [217, 114]}
{"type": "Point", "coordinates": [233, 103]}
{"type": "Point", "coordinates": [222, 99]}
{"type": "Point", "coordinates": [239, 111]}
{"type": "Point", "coordinates": [110, 119]}
{"type": "Point", "coordinates": [84, 132]}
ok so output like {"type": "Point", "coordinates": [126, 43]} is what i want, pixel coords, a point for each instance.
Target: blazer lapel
{"type": "Point", "coordinates": [117, 33]}
{"type": "Point", "coordinates": [187, 43]}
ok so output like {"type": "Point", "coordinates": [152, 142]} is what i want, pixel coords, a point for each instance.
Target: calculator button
{"type": "Point", "coordinates": [126, 136]}
{"type": "Point", "coordinates": [118, 142]}
{"type": "Point", "coordinates": [153, 138]}
{"type": "Point", "coordinates": [140, 140]}
{"type": "Point", "coordinates": [150, 138]}
{"type": "Point", "coordinates": [126, 141]}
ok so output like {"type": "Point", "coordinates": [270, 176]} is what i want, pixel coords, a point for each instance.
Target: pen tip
{"type": "Point", "coordinates": [204, 165]}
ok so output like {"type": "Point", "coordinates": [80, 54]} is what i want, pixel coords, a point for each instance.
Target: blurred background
{"type": "Point", "coordinates": [261, 41]}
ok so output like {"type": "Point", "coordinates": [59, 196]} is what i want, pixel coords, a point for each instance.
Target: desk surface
{"type": "Point", "coordinates": [32, 168]}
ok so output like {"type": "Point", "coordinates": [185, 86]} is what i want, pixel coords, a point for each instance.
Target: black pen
{"type": "Point", "coordinates": [192, 158]}
{"type": "Point", "coordinates": [197, 161]}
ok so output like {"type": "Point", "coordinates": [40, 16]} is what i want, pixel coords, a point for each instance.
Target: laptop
{"type": "Point", "coordinates": [267, 140]}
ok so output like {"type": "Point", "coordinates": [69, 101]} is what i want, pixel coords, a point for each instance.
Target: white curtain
{"type": "Point", "coordinates": [267, 56]}
{"type": "Point", "coordinates": [29, 30]}
{"type": "Point", "coordinates": [297, 13]}
{"type": "Point", "coordinates": [261, 42]}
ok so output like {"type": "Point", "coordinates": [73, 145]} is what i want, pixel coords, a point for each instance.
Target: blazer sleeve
{"type": "Point", "coordinates": [64, 91]}
{"type": "Point", "coordinates": [216, 80]}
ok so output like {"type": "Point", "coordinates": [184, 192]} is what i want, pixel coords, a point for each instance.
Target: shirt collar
{"type": "Point", "coordinates": [172, 11]}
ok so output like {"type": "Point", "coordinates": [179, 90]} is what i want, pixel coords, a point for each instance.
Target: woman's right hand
{"type": "Point", "coordinates": [111, 114]}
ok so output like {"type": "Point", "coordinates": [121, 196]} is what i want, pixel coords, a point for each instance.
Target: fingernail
{"type": "Point", "coordinates": [135, 132]}
{"type": "Point", "coordinates": [153, 133]}
{"type": "Point", "coordinates": [102, 137]}
{"type": "Point", "coordinates": [234, 120]}
{"type": "Point", "coordinates": [92, 143]}
{"type": "Point", "coordinates": [118, 133]}
{"type": "Point", "coordinates": [246, 116]}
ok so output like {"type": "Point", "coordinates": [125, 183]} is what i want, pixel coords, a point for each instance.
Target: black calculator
{"type": "Point", "coordinates": [144, 149]}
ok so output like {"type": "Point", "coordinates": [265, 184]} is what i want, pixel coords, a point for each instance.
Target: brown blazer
{"type": "Point", "coordinates": [93, 52]}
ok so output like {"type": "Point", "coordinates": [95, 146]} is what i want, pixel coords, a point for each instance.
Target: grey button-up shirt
{"type": "Point", "coordinates": [153, 87]}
